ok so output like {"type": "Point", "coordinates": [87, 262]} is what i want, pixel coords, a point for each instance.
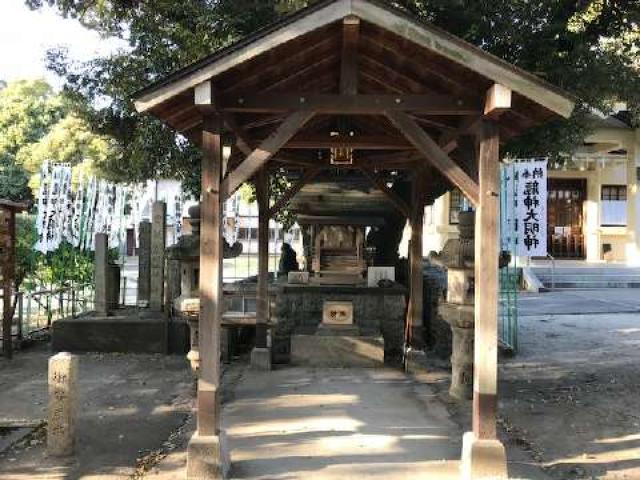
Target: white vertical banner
{"type": "Point", "coordinates": [531, 208]}
{"type": "Point", "coordinates": [43, 202]}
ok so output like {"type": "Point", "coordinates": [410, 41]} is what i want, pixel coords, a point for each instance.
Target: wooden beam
{"type": "Point", "coordinates": [434, 154]}
{"type": "Point", "coordinates": [415, 324]}
{"type": "Point", "coordinates": [203, 94]}
{"type": "Point", "coordinates": [308, 175]}
{"type": "Point", "coordinates": [449, 140]}
{"type": "Point", "coordinates": [498, 101]}
{"type": "Point", "coordinates": [357, 142]}
{"type": "Point", "coordinates": [210, 279]}
{"type": "Point", "coordinates": [267, 149]}
{"type": "Point", "coordinates": [262, 306]}
{"type": "Point", "coordinates": [349, 64]}
{"type": "Point", "coordinates": [426, 104]}
{"type": "Point", "coordinates": [393, 197]}
{"type": "Point", "coordinates": [487, 243]}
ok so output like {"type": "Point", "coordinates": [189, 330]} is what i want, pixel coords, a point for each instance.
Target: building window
{"type": "Point", "coordinates": [613, 206]}
{"type": "Point", "coordinates": [457, 203]}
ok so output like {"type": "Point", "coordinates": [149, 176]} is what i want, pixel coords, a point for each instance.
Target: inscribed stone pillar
{"type": "Point", "coordinates": [144, 263]}
{"type": "Point", "coordinates": [101, 262]}
{"type": "Point", "coordinates": [63, 374]}
{"type": "Point", "coordinates": [158, 241]}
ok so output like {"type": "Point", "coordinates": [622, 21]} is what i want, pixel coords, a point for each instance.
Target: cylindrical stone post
{"type": "Point", "coordinates": [63, 376]}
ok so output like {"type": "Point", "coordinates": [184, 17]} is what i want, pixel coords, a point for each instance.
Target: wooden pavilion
{"type": "Point", "coordinates": [360, 86]}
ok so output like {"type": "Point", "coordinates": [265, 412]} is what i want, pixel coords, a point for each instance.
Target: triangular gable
{"type": "Point", "coordinates": [385, 17]}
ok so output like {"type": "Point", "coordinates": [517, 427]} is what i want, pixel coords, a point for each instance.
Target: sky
{"type": "Point", "coordinates": [25, 36]}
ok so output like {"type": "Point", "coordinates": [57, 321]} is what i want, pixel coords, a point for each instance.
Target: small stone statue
{"type": "Point", "coordinates": [288, 262]}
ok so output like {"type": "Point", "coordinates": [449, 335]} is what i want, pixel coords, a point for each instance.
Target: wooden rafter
{"type": "Point", "coordinates": [308, 175]}
{"type": "Point", "coordinates": [275, 68]}
{"type": "Point", "coordinates": [435, 155]}
{"type": "Point", "coordinates": [267, 149]}
{"type": "Point", "coordinates": [393, 197]}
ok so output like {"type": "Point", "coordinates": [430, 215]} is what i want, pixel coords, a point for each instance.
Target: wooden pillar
{"type": "Point", "coordinates": [7, 273]}
{"type": "Point", "coordinates": [210, 279]}
{"type": "Point", "coordinates": [261, 354]}
{"type": "Point", "coordinates": [487, 243]}
{"type": "Point", "coordinates": [262, 307]}
{"type": "Point", "coordinates": [416, 306]}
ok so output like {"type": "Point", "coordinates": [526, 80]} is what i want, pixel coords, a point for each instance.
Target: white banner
{"type": "Point", "coordinates": [53, 206]}
{"type": "Point", "coordinates": [530, 201]}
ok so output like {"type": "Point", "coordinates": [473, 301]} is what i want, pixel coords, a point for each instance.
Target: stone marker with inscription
{"type": "Point", "coordinates": [63, 375]}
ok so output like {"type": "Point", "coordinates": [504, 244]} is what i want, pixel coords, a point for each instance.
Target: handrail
{"type": "Point", "coordinates": [553, 271]}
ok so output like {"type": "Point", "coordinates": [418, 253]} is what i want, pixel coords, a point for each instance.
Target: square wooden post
{"type": "Point", "coordinates": [483, 455]}
{"type": "Point", "coordinates": [206, 456]}
{"type": "Point", "coordinates": [261, 354]}
{"type": "Point", "coordinates": [416, 291]}
{"type": "Point", "coordinates": [7, 274]}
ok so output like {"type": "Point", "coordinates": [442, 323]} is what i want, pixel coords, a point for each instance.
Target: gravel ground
{"type": "Point", "coordinates": [131, 410]}
{"type": "Point", "coordinates": [571, 395]}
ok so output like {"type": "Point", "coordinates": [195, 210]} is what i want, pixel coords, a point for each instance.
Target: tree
{"type": "Point", "coordinates": [588, 47]}
{"type": "Point", "coordinates": [28, 108]}
{"type": "Point", "coordinates": [14, 180]}
{"type": "Point", "coordinates": [39, 124]}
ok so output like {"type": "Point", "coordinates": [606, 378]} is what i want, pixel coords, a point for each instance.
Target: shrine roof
{"type": "Point", "coordinates": [398, 54]}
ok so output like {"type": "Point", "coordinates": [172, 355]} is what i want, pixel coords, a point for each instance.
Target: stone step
{"type": "Point", "coordinates": [590, 278]}
{"type": "Point", "coordinates": [338, 351]}
{"type": "Point", "coordinates": [582, 278]}
{"type": "Point", "coordinates": [587, 270]}
{"type": "Point", "coordinates": [591, 285]}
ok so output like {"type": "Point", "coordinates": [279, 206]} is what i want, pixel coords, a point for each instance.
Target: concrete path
{"type": "Point", "coordinates": [304, 423]}
{"type": "Point", "coordinates": [580, 302]}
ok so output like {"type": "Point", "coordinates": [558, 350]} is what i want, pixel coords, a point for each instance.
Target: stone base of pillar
{"type": "Point", "coordinates": [483, 459]}
{"type": "Point", "coordinates": [415, 361]}
{"type": "Point", "coordinates": [261, 358]}
{"type": "Point", "coordinates": [417, 337]}
{"type": "Point", "coordinates": [207, 457]}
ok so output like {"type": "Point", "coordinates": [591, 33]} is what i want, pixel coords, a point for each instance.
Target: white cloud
{"type": "Point", "coordinates": [26, 35]}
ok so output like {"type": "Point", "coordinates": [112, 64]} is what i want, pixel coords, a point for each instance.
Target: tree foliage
{"type": "Point", "coordinates": [38, 124]}
{"type": "Point", "coordinates": [588, 47]}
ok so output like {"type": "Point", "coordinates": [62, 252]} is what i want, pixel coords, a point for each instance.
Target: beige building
{"type": "Point", "coordinates": [593, 201]}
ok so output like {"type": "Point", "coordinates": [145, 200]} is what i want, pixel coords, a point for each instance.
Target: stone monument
{"type": "Point", "coordinates": [158, 243]}
{"type": "Point", "coordinates": [63, 375]}
{"type": "Point", "coordinates": [144, 263]}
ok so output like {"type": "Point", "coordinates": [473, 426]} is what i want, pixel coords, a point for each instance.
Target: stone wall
{"type": "Point", "coordinates": [377, 311]}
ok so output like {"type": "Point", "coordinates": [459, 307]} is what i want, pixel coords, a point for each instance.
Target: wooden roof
{"type": "Point", "coordinates": [355, 62]}
{"type": "Point", "coordinates": [12, 206]}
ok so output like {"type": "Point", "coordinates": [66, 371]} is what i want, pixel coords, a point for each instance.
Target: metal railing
{"type": "Point", "coordinates": [36, 311]}
{"type": "Point", "coordinates": [553, 271]}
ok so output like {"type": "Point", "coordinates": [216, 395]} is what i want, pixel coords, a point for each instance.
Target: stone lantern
{"type": "Point", "coordinates": [186, 252]}
{"type": "Point", "coordinates": [457, 257]}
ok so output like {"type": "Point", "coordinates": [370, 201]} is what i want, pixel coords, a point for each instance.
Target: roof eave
{"type": "Point", "coordinates": [427, 36]}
